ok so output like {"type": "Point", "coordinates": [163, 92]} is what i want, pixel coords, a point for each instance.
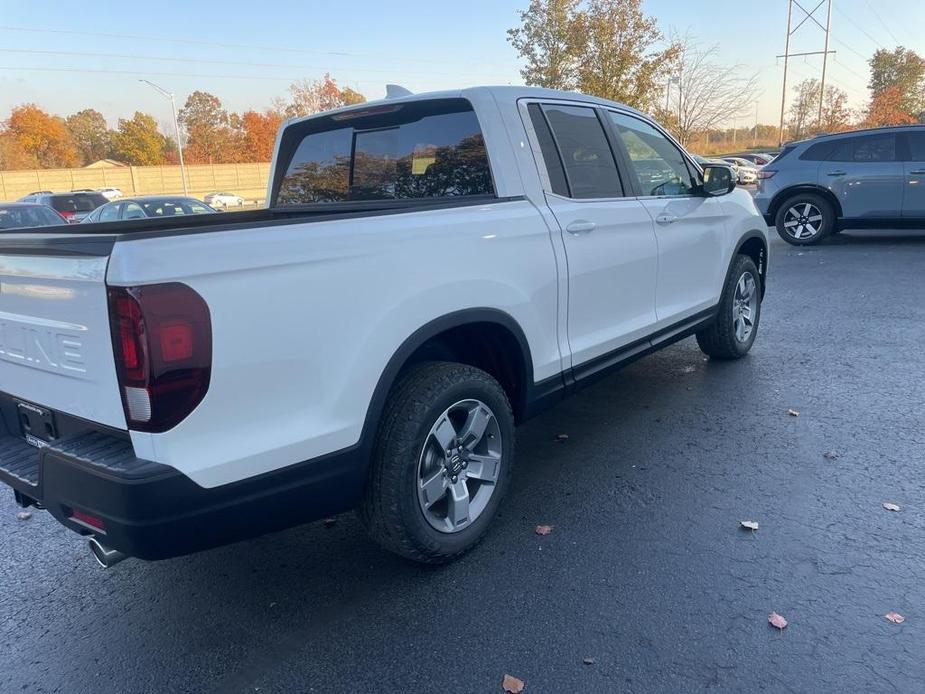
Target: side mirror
{"type": "Point", "coordinates": [717, 180]}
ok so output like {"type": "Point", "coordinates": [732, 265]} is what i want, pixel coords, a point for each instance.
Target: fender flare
{"type": "Point", "coordinates": [782, 195]}
{"type": "Point", "coordinates": [427, 332]}
{"type": "Point", "coordinates": [762, 266]}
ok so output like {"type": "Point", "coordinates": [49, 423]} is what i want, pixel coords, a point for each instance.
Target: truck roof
{"type": "Point", "coordinates": [501, 93]}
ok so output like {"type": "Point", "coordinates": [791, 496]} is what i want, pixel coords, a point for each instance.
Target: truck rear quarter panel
{"type": "Point", "coordinates": [306, 316]}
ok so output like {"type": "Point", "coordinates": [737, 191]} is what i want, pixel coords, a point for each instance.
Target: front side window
{"type": "Point", "coordinates": [109, 213]}
{"type": "Point", "coordinates": [584, 152]}
{"type": "Point", "coordinates": [916, 139]}
{"type": "Point", "coordinates": [132, 210]}
{"type": "Point", "coordinates": [659, 166]}
{"type": "Point", "coordinates": [427, 149]}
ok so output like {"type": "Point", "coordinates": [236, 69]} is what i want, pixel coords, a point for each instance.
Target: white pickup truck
{"type": "Point", "coordinates": [431, 270]}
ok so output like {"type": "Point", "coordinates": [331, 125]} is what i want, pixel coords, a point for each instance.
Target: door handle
{"type": "Point", "coordinates": [666, 219]}
{"type": "Point", "coordinates": [580, 226]}
{"type": "Point", "coordinates": [836, 173]}
{"type": "Point", "coordinates": [919, 172]}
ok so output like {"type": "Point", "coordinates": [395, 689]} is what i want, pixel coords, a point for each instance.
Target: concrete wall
{"type": "Point", "coordinates": [246, 180]}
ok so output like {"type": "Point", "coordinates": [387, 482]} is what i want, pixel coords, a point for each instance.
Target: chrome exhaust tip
{"type": "Point", "coordinates": [107, 557]}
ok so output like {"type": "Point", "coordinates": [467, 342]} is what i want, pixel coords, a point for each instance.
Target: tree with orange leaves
{"type": "Point", "coordinates": [260, 133]}
{"type": "Point", "coordinates": [887, 108]}
{"type": "Point", "coordinates": [41, 137]}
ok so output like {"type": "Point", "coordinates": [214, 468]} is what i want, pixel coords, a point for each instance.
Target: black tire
{"type": "Point", "coordinates": [390, 509]}
{"type": "Point", "coordinates": [720, 340]}
{"type": "Point", "coordinates": [788, 230]}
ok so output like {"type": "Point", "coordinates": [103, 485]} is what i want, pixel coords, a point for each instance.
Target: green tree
{"type": "Point", "coordinates": [608, 48]}
{"type": "Point", "coordinates": [91, 134]}
{"type": "Point", "coordinates": [547, 40]}
{"type": "Point", "coordinates": [213, 135]}
{"type": "Point", "coordinates": [138, 141]}
{"type": "Point", "coordinates": [903, 72]}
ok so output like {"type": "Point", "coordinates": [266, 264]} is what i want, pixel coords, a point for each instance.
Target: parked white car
{"type": "Point", "coordinates": [110, 193]}
{"type": "Point", "coordinates": [431, 270]}
{"type": "Point", "coordinates": [746, 171]}
{"type": "Point", "coordinates": [223, 200]}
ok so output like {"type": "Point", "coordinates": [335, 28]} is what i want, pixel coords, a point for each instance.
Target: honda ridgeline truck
{"type": "Point", "coordinates": [430, 270]}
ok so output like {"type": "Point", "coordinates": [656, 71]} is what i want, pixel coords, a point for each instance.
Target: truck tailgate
{"type": "Point", "coordinates": [55, 343]}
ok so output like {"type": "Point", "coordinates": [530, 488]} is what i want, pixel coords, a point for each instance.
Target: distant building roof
{"type": "Point", "coordinates": [105, 164]}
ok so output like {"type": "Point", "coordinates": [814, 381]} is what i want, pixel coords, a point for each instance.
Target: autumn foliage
{"type": "Point", "coordinates": [31, 138]}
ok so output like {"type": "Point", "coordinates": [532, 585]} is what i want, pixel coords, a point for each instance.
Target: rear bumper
{"type": "Point", "coordinates": [152, 511]}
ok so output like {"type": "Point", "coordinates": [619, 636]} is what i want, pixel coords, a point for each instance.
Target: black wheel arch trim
{"type": "Point", "coordinates": [762, 266]}
{"type": "Point", "coordinates": [531, 392]}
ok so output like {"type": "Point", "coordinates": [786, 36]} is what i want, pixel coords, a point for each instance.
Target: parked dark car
{"type": "Point", "coordinates": [853, 180]}
{"type": "Point", "coordinates": [18, 215]}
{"type": "Point", "coordinates": [144, 207]}
{"type": "Point", "coordinates": [72, 206]}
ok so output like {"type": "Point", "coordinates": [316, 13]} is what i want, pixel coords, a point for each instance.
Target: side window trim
{"type": "Point", "coordinates": [597, 114]}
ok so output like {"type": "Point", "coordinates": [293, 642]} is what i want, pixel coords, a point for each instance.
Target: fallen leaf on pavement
{"type": "Point", "coordinates": [512, 685]}
{"type": "Point", "coordinates": [561, 437]}
{"type": "Point", "coordinates": [750, 525]}
{"type": "Point", "coordinates": [24, 515]}
{"type": "Point", "coordinates": [890, 506]}
{"type": "Point", "coordinates": [793, 413]}
{"type": "Point", "coordinates": [543, 529]}
{"type": "Point", "coordinates": [830, 455]}
{"type": "Point", "coordinates": [895, 617]}
{"type": "Point", "coordinates": [588, 661]}
{"type": "Point", "coordinates": [776, 620]}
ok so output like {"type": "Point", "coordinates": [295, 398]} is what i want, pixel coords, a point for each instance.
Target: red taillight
{"type": "Point", "coordinates": [67, 214]}
{"type": "Point", "coordinates": [162, 341]}
{"type": "Point", "coordinates": [764, 174]}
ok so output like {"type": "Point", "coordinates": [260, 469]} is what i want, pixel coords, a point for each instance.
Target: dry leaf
{"type": "Point", "coordinates": [24, 515]}
{"type": "Point", "coordinates": [512, 685]}
{"type": "Point", "coordinates": [776, 620]}
{"type": "Point", "coordinates": [793, 413]}
{"type": "Point", "coordinates": [543, 529]}
{"type": "Point", "coordinates": [561, 437]}
{"type": "Point", "coordinates": [895, 617]}
{"type": "Point", "coordinates": [890, 506]}
{"type": "Point", "coordinates": [750, 525]}
{"type": "Point", "coordinates": [588, 661]}
{"type": "Point", "coordinates": [830, 455]}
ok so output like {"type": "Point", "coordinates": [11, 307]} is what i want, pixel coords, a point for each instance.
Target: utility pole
{"type": "Point", "coordinates": [825, 58]}
{"type": "Point", "coordinates": [810, 16]}
{"type": "Point", "coordinates": [176, 126]}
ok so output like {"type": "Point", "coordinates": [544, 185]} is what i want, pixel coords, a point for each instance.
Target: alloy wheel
{"type": "Point", "coordinates": [745, 307]}
{"type": "Point", "coordinates": [803, 221]}
{"type": "Point", "coordinates": [459, 466]}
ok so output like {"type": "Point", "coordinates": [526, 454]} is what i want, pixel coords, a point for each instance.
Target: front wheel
{"type": "Point", "coordinates": [442, 462]}
{"type": "Point", "coordinates": [733, 333]}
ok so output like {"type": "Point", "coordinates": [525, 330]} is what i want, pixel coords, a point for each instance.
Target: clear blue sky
{"type": "Point", "coordinates": [420, 44]}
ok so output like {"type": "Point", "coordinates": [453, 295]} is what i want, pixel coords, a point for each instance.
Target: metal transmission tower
{"type": "Point", "coordinates": [809, 15]}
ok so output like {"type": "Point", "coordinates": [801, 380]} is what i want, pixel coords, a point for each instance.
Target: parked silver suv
{"type": "Point", "coordinates": [859, 179]}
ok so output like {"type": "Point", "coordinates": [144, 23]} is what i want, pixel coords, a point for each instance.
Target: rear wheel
{"type": "Point", "coordinates": [733, 333]}
{"type": "Point", "coordinates": [442, 463]}
{"type": "Point", "coordinates": [805, 219]}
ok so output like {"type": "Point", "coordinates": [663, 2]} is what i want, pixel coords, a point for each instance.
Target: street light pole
{"type": "Point", "coordinates": [755, 139]}
{"type": "Point", "coordinates": [176, 127]}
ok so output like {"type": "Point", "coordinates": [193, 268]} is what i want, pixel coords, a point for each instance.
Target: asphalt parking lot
{"type": "Point", "coordinates": [647, 574]}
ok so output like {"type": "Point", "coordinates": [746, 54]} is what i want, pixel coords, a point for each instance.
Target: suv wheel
{"type": "Point", "coordinates": [442, 462]}
{"type": "Point", "coordinates": [736, 326]}
{"type": "Point", "coordinates": [805, 219]}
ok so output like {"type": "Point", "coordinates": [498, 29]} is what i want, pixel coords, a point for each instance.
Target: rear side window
{"type": "Point", "coordinates": [821, 151]}
{"type": "Point", "coordinates": [585, 152]}
{"type": "Point", "coordinates": [867, 148]}
{"type": "Point", "coordinates": [77, 203]}
{"type": "Point", "coordinates": [547, 144]}
{"type": "Point", "coordinates": [427, 149]}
